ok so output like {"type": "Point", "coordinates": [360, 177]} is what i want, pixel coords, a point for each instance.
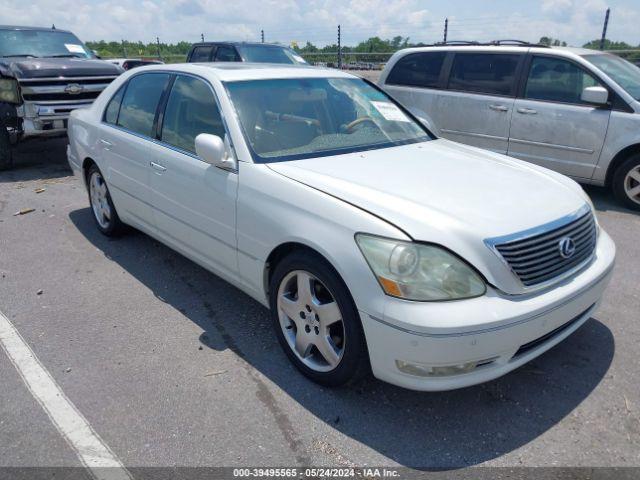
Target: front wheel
{"type": "Point", "coordinates": [316, 321]}
{"type": "Point", "coordinates": [626, 182]}
{"type": "Point", "coordinates": [104, 213]}
{"type": "Point", "coordinates": [6, 155]}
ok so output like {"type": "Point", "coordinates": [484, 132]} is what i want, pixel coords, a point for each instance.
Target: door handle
{"type": "Point", "coordinates": [527, 111]}
{"type": "Point", "coordinates": [106, 144]}
{"type": "Point", "coordinates": [158, 167]}
{"type": "Point", "coordinates": [499, 108]}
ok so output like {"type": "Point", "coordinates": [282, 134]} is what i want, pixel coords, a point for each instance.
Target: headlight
{"type": "Point", "coordinates": [419, 272]}
{"type": "Point", "coordinates": [9, 90]}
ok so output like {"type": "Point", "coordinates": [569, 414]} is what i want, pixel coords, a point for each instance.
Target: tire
{"type": "Point", "coordinates": [626, 182]}
{"type": "Point", "coordinates": [6, 154]}
{"type": "Point", "coordinates": [103, 211]}
{"type": "Point", "coordinates": [311, 317]}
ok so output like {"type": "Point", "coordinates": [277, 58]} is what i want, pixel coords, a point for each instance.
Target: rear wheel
{"type": "Point", "coordinates": [626, 182]}
{"type": "Point", "coordinates": [104, 212]}
{"type": "Point", "coordinates": [6, 155]}
{"type": "Point", "coordinates": [316, 320]}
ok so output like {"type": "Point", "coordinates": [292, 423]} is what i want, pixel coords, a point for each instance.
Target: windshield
{"type": "Point", "coordinates": [291, 119]}
{"type": "Point", "coordinates": [270, 54]}
{"type": "Point", "coordinates": [41, 43]}
{"type": "Point", "coordinates": [624, 73]}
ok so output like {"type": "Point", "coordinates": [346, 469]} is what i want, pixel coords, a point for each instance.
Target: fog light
{"type": "Point", "coordinates": [419, 370]}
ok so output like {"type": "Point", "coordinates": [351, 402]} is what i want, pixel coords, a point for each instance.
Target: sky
{"type": "Point", "coordinates": [573, 21]}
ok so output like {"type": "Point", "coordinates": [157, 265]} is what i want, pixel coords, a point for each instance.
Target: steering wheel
{"type": "Point", "coordinates": [358, 121]}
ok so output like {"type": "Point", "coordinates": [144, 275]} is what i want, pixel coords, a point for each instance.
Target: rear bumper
{"type": "Point", "coordinates": [502, 332]}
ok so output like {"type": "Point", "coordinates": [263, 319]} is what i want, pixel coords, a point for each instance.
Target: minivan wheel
{"type": "Point", "coordinates": [104, 213]}
{"type": "Point", "coordinates": [6, 155]}
{"type": "Point", "coordinates": [626, 182]}
{"type": "Point", "coordinates": [316, 321]}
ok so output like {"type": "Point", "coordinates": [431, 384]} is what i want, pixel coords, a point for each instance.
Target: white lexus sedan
{"type": "Point", "coordinates": [375, 245]}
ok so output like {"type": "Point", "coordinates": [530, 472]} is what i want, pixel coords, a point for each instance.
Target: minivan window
{"type": "Point", "coordinates": [417, 70]}
{"type": "Point", "coordinates": [191, 110]}
{"type": "Point", "coordinates": [141, 101]}
{"type": "Point", "coordinates": [488, 73]}
{"type": "Point", "coordinates": [113, 108]}
{"type": "Point", "coordinates": [557, 80]}
{"type": "Point", "coordinates": [226, 53]}
{"type": "Point", "coordinates": [624, 73]}
{"type": "Point", "coordinates": [201, 54]}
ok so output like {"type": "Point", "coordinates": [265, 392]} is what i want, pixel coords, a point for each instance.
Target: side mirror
{"type": "Point", "coordinates": [211, 150]}
{"type": "Point", "coordinates": [595, 95]}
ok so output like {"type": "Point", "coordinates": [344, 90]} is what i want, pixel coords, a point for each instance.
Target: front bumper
{"type": "Point", "coordinates": [40, 119]}
{"type": "Point", "coordinates": [417, 345]}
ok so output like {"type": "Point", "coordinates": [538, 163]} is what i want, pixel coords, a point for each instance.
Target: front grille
{"type": "Point", "coordinates": [60, 90]}
{"type": "Point", "coordinates": [537, 259]}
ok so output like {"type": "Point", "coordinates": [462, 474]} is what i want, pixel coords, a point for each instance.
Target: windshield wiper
{"type": "Point", "coordinates": [29, 55]}
{"type": "Point", "coordinates": [64, 55]}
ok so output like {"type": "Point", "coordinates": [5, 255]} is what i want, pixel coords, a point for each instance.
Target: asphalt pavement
{"type": "Point", "coordinates": [171, 366]}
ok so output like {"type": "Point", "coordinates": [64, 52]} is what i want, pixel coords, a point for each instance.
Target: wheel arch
{"type": "Point", "coordinates": [618, 159]}
{"type": "Point", "coordinates": [86, 165]}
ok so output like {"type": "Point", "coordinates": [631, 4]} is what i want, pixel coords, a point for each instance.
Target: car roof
{"type": "Point", "coordinates": [41, 29]}
{"type": "Point", "coordinates": [237, 71]}
{"type": "Point", "coordinates": [238, 44]}
{"type": "Point", "coordinates": [501, 49]}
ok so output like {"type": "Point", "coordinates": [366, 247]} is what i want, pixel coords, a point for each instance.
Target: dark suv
{"type": "Point", "coordinates": [243, 52]}
{"type": "Point", "coordinates": [45, 73]}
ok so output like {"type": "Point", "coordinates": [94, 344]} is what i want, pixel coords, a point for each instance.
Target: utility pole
{"type": "Point", "coordinates": [262, 36]}
{"type": "Point", "coordinates": [604, 29]}
{"type": "Point", "coordinates": [339, 49]}
{"type": "Point", "coordinates": [446, 28]}
{"type": "Point", "coordinates": [124, 49]}
{"type": "Point", "coordinates": [202, 37]}
{"type": "Point", "coordinates": [158, 44]}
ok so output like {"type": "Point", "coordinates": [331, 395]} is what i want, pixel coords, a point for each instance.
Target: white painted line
{"type": "Point", "coordinates": [94, 454]}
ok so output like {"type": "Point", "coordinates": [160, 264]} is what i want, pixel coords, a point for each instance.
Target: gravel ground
{"type": "Point", "coordinates": [171, 366]}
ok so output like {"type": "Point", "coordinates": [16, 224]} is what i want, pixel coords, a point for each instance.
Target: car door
{"type": "Point", "coordinates": [128, 127]}
{"type": "Point", "coordinates": [477, 105]}
{"type": "Point", "coordinates": [416, 81]}
{"type": "Point", "coordinates": [551, 125]}
{"type": "Point", "coordinates": [194, 202]}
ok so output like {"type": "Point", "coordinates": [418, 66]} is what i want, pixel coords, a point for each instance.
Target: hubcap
{"type": "Point", "coordinates": [632, 184]}
{"type": "Point", "coordinates": [311, 321]}
{"type": "Point", "coordinates": [99, 201]}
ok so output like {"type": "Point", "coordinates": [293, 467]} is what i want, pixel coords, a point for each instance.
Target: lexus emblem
{"type": "Point", "coordinates": [74, 89]}
{"type": "Point", "coordinates": [567, 247]}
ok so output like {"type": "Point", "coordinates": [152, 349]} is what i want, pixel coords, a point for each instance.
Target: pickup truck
{"type": "Point", "coordinates": [45, 73]}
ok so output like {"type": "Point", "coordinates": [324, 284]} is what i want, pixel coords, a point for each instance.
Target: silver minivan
{"type": "Point", "coordinates": [572, 110]}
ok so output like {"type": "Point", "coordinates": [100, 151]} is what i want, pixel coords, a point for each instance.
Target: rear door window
{"type": "Point", "coordinates": [417, 70]}
{"type": "Point", "coordinates": [140, 102]}
{"type": "Point", "coordinates": [201, 54]}
{"type": "Point", "coordinates": [557, 80]}
{"type": "Point", "coordinates": [488, 73]}
{"type": "Point", "coordinates": [113, 107]}
{"type": "Point", "coordinates": [227, 53]}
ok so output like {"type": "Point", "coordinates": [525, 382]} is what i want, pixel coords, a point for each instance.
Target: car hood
{"type": "Point", "coordinates": [56, 67]}
{"type": "Point", "coordinates": [444, 192]}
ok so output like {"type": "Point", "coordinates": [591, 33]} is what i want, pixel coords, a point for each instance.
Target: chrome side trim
{"type": "Point", "coordinates": [491, 243]}
{"type": "Point", "coordinates": [552, 145]}
{"type": "Point", "coordinates": [476, 135]}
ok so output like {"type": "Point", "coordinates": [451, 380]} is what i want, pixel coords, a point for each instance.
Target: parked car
{"type": "Point", "coordinates": [45, 73]}
{"type": "Point", "coordinates": [129, 63]}
{"type": "Point", "coordinates": [572, 110]}
{"type": "Point", "coordinates": [371, 241]}
{"type": "Point", "coordinates": [243, 52]}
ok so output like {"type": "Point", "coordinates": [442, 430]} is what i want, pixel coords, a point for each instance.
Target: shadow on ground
{"type": "Point", "coordinates": [38, 159]}
{"type": "Point", "coordinates": [421, 430]}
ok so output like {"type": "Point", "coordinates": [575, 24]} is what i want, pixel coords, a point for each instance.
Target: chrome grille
{"type": "Point", "coordinates": [70, 89]}
{"type": "Point", "coordinates": [538, 259]}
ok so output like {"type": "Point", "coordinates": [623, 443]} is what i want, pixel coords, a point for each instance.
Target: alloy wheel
{"type": "Point", "coordinates": [311, 321]}
{"type": "Point", "coordinates": [99, 199]}
{"type": "Point", "coordinates": [632, 184]}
